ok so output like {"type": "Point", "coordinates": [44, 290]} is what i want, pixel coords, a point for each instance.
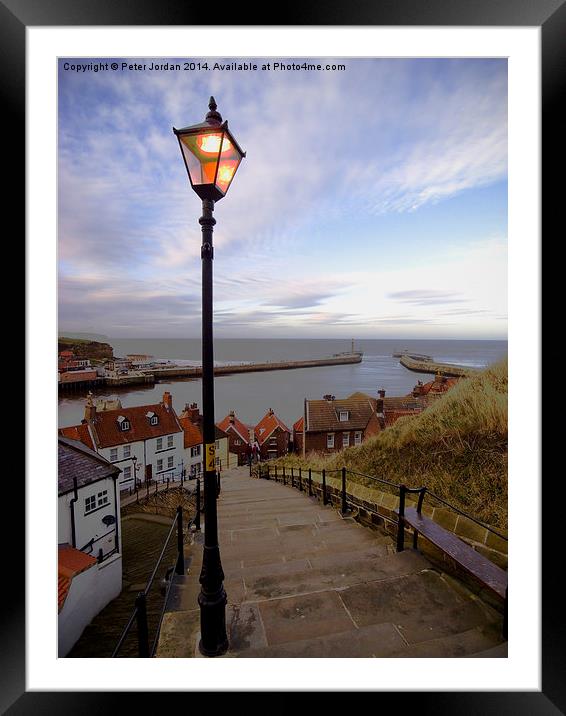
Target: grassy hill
{"type": "Point", "coordinates": [457, 448]}
{"type": "Point", "coordinates": [85, 348]}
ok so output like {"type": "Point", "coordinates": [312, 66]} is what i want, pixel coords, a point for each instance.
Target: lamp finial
{"type": "Point", "coordinates": [213, 116]}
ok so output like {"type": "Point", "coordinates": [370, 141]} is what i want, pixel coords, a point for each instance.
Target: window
{"type": "Point", "coordinates": [159, 465]}
{"type": "Point", "coordinates": [123, 423]}
{"type": "Point", "coordinates": [113, 454]}
{"type": "Point", "coordinates": [217, 461]}
{"type": "Point", "coordinates": [273, 441]}
{"type": "Point", "coordinates": [153, 420]}
{"type": "Point", "coordinates": [127, 473]}
{"type": "Point", "coordinates": [344, 415]}
{"type": "Point", "coordinates": [169, 441]}
{"type": "Point", "coordinates": [126, 451]}
{"type": "Point", "coordinates": [170, 461]}
{"type": "Point", "coordinates": [195, 451]}
{"type": "Point", "coordinates": [102, 498]}
{"type": "Point", "coordinates": [159, 445]}
{"type": "Point", "coordinates": [330, 440]}
{"type": "Point", "coordinates": [345, 439]}
{"type": "Point", "coordinates": [90, 503]}
{"type": "Point", "coordinates": [237, 442]}
{"type": "Point", "coordinates": [357, 438]}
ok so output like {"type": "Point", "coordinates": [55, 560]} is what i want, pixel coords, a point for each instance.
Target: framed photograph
{"type": "Point", "coordinates": [367, 182]}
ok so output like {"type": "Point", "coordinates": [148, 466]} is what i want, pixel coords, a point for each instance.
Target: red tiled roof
{"type": "Point", "coordinates": [323, 415]}
{"type": "Point", "coordinates": [107, 432]}
{"type": "Point", "coordinates": [237, 426]}
{"type": "Point", "coordinates": [192, 433]}
{"type": "Point", "coordinates": [78, 432]}
{"type": "Point", "coordinates": [438, 385]}
{"type": "Point", "coordinates": [298, 426]}
{"type": "Point", "coordinates": [267, 425]}
{"type": "Point", "coordinates": [71, 562]}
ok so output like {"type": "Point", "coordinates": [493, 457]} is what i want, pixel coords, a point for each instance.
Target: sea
{"type": "Point", "coordinates": [251, 395]}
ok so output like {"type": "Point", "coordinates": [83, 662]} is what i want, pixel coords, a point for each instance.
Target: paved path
{"type": "Point", "coordinates": [304, 582]}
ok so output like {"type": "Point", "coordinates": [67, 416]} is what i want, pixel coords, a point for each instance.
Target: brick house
{"type": "Point", "coordinates": [298, 427]}
{"type": "Point", "coordinates": [330, 425]}
{"type": "Point", "coordinates": [240, 436]}
{"type": "Point", "coordinates": [273, 436]}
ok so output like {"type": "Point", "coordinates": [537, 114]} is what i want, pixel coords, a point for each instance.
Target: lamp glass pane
{"type": "Point", "coordinates": [230, 159]}
{"type": "Point", "coordinates": [201, 154]}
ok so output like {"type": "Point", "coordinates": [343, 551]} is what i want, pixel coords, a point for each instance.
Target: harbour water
{"type": "Point", "coordinates": [252, 394]}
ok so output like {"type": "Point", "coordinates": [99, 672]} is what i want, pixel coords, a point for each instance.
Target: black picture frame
{"type": "Point", "coordinates": [550, 16]}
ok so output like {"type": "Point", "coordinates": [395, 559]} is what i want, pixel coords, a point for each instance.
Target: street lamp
{"type": "Point", "coordinates": [211, 156]}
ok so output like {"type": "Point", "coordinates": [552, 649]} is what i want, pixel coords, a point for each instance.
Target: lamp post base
{"type": "Point", "coordinates": [213, 641]}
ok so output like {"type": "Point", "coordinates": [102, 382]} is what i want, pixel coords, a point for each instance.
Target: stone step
{"type": "Point", "coordinates": [332, 575]}
{"type": "Point", "coordinates": [377, 640]}
{"type": "Point", "coordinates": [422, 606]}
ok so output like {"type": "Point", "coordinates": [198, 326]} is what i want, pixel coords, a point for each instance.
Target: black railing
{"type": "Point", "coordinates": [139, 614]}
{"type": "Point", "coordinates": [346, 499]}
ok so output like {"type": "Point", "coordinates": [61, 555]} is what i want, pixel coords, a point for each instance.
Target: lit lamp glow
{"type": "Point", "coordinates": [211, 154]}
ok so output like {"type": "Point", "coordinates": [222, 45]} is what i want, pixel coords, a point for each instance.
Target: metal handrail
{"type": "Point", "coordinates": [422, 491]}
{"type": "Point", "coordinates": [465, 514]}
{"type": "Point", "coordinates": [177, 522]}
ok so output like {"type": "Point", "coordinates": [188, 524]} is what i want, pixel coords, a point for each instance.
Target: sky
{"type": "Point", "coordinates": [372, 202]}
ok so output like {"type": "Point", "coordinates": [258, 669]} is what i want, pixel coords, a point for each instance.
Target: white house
{"type": "Point", "coordinates": [145, 442]}
{"type": "Point", "coordinates": [89, 538]}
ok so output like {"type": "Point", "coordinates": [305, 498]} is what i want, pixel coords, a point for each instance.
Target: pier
{"type": "Point", "coordinates": [434, 368]}
{"type": "Point", "coordinates": [196, 372]}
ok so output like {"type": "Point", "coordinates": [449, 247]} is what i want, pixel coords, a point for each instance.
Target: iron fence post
{"type": "Point", "coordinates": [310, 483]}
{"type": "Point", "coordinates": [180, 567]}
{"type": "Point", "coordinates": [300, 480]}
{"type": "Point", "coordinates": [324, 501]}
{"type": "Point", "coordinates": [284, 476]}
{"type": "Point", "coordinates": [344, 500]}
{"type": "Point", "coordinates": [141, 618]}
{"type": "Point", "coordinates": [401, 519]}
{"type": "Point", "coordinates": [292, 477]}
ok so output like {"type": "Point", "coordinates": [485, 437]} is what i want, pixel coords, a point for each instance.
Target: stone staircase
{"type": "Point", "coordinates": [302, 581]}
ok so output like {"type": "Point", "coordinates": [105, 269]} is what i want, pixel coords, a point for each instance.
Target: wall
{"type": "Point", "coordinates": [281, 447]}
{"type": "Point", "coordinates": [89, 593]}
{"type": "Point", "coordinates": [90, 525]}
{"type": "Point", "coordinates": [136, 450]}
{"type": "Point", "coordinates": [177, 452]}
{"type": "Point", "coordinates": [317, 441]}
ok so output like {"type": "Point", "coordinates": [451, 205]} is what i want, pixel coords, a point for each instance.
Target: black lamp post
{"type": "Point", "coordinates": [211, 156]}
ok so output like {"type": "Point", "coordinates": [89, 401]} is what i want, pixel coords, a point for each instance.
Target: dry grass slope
{"type": "Point", "coordinates": [457, 448]}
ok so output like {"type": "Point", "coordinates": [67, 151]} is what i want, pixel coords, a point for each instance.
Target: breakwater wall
{"type": "Point", "coordinates": [432, 367]}
{"type": "Point", "coordinates": [196, 372]}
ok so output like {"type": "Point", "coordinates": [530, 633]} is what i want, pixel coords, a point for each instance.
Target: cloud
{"type": "Point", "coordinates": [424, 297]}
{"type": "Point", "coordinates": [385, 138]}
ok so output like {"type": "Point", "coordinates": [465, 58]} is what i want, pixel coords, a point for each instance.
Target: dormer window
{"type": "Point", "coordinates": [152, 417]}
{"type": "Point", "coordinates": [123, 423]}
{"type": "Point", "coordinates": [344, 416]}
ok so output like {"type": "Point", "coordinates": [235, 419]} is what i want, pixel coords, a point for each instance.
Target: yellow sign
{"type": "Point", "coordinates": [210, 457]}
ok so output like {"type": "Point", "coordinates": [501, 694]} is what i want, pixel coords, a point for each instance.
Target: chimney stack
{"type": "Point", "coordinates": [232, 416]}
{"type": "Point", "coordinates": [168, 400]}
{"type": "Point", "coordinates": [379, 403]}
{"type": "Point", "coordinates": [270, 411]}
{"type": "Point", "coordinates": [90, 409]}
{"type": "Point", "coordinates": [191, 412]}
